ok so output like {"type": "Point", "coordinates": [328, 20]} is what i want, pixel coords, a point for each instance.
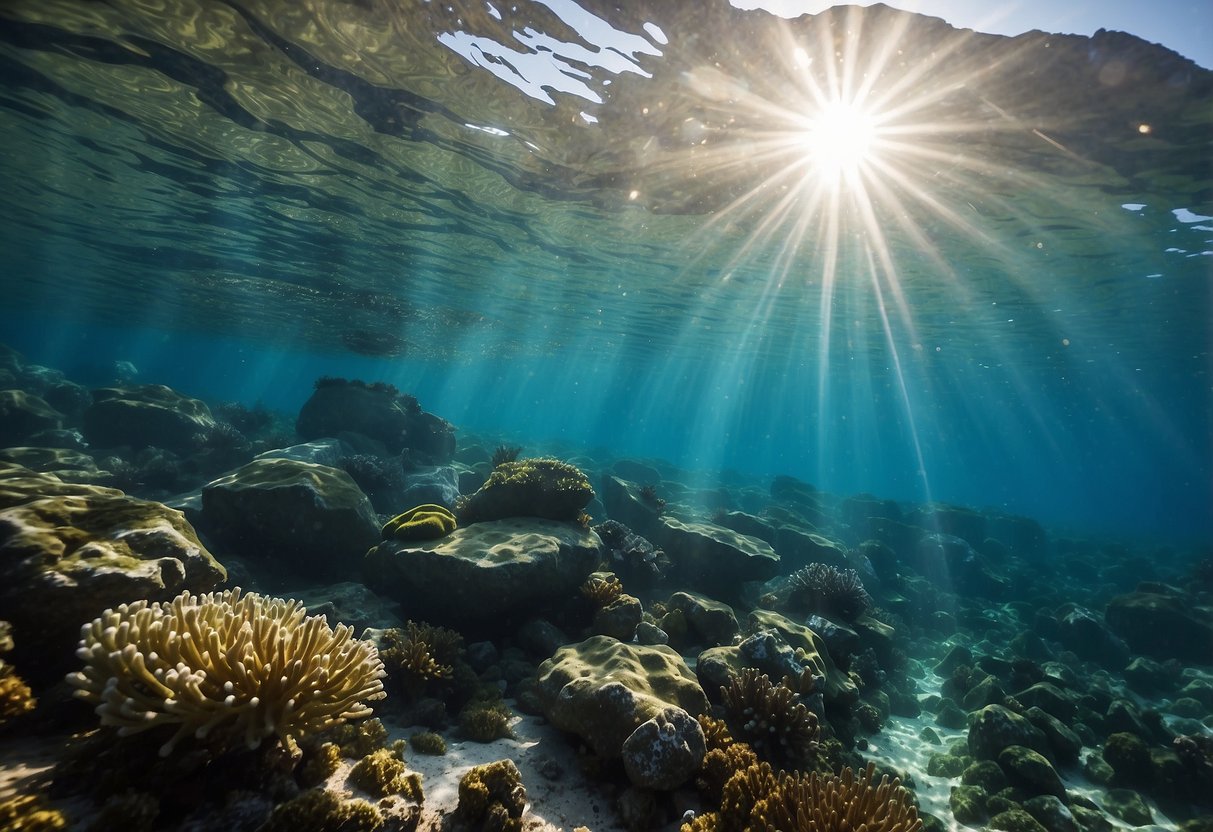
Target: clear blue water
{"type": "Point", "coordinates": [607, 228]}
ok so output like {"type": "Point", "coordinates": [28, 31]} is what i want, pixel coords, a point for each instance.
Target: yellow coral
{"type": "Point", "coordinates": [601, 589]}
{"type": "Point", "coordinates": [491, 796]}
{"type": "Point", "coordinates": [382, 772]}
{"type": "Point", "coordinates": [805, 804]}
{"type": "Point", "coordinates": [245, 667]}
{"type": "Point", "coordinates": [30, 813]}
{"type": "Point", "coordinates": [426, 522]}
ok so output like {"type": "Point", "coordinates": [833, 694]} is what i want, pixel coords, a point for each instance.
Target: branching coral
{"type": "Point", "coordinates": [601, 589]}
{"type": "Point", "coordinates": [240, 667]}
{"type": "Point", "coordinates": [770, 718]}
{"type": "Point", "coordinates": [830, 591]}
{"type": "Point", "coordinates": [419, 654]}
{"type": "Point", "coordinates": [808, 804]}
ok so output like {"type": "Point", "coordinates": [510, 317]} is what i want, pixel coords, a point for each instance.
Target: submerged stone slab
{"type": "Point", "coordinates": [486, 570]}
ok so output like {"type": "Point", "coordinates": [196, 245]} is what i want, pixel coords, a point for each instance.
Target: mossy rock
{"type": "Point", "coordinates": [987, 774]}
{"type": "Point", "coordinates": [1031, 771]}
{"type": "Point", "coordinates": [69, 551]}
{"type": "Point", "coordinates": [1129, 806]}
{"type": "Point", "coordinates": [1016, 820]}
{"type": "Point", "coordinates": [22, 415]}
{"type": "Point", "coordinates": [602, 689]}
{"type": "Point", "coordinates": [947, 765]}
{"type": "Point", "coordinates": [545, 488]}
{"type": "Point", "coordinates": [145, 415]}
{"type": "Point", "coordinates": [968, 804]}
{"type": "Point", "coordinates": [838, 685]}
{"type": "Point", "coordinates": [424, 522]}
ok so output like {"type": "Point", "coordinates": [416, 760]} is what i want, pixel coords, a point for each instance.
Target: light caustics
{"type": "Point", "coordinates": [849, 172]}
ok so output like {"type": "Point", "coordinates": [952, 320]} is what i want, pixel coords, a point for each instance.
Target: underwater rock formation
{"type": "Point", "coordinates": [24, 415]}
{"type": "Point", "coordinates": [310, 519]}
{"type": "Point", "coordinates": [380, 412]}
{"type": "Point", "coordinates": [483, 572]}
{"type": "Point", "coordinates": [69, 551]}
{"type": "Point", "coordinates": [602, 690]}
{"type": "Point", "coordinates": [143, 415]}
{"type": "Point", "coordinates": [545, 488]}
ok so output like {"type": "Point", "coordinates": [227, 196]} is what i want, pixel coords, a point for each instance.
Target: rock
{"type": "Point", "coordinates": [482, 572]}
{"type": "Point", "coordinates": [545, 488]}
{"type": "Point", "coordinates": [1091, 820]}
{"type": "Point", "coordinates": [624, 504]}
{"type": "Point", "coordinates": [541, 638]}
{"type": "Point", "coordinates": [986, 692]}
{"type": "Point", "coordinates": [619, 618]}
{"type": "Point", "coordinates": [328, 451]}
{"type": "Point", "coordinates": [22, 415]}
{"type": "Point", "coordinates": [951, 715]}
{"type": "Point", "coordinates": [968, 804]}
{"type": "Point", "coordinates": [1030, 771]}
{"type": "Point", "coordinates": [1064, 744]}
{"type": "Point", "coordinates": [1129, 806]}
{"type": "Point", "coordinates": [958, 655]}
{"type": "Point", "coordinates": [66, 464]}
{"type": "Point", "coordinates": [438, 484]}
{"type": "Point", "coordinates": [995, 728]}
{"type": "Point", "coordinates": [602, 690]}
{"type": "Point", "coordinates": [1162, 625]}
{"type": "Point", "coordinates": [349, 603]}
{"type": "Point", "coordinates": [145, 415]}
{"type": "Point", "coordinates": [641, 472]}
{"type": "Point", "coordinates": [711, 622]}
{"type": "Point", "coordinates": [311, 519]}
{"type": "Point", "coordinates": [1148, 677]}
{"type": "Point", "coordinates": [1026, 537]}
{"type": "Point", "coordinates": [947, 765]}
{"type": "Point", "coordinates": [747, 524]}
{"type": "Point", "coordinates": [69, 551]}
{"type": "Point", "coordinates": [838, 686]}
{"type": "Point", "coordinates": [663, 752]}
{"type": "Point", "coordinates": [712, 559]}
{"type": "Point", "coordinates": [798, 548]}
{"type": "Point", "coordinates": [1016, 820]}
{"type": "Point", "coordinates": [647, 633]}
{"type": "Point", "coordinates": [1050, 698]}
{"type": "Point", "coordinates": [1129, 757]}
{"type": "Point", "coordinates": [987, 774]}
{"type": "Point", "coordinates": [1085, 633]}
{"type": "Point", "coordinates": [841, 641]}
{"type": "Point", "coordinates": [382, 413]}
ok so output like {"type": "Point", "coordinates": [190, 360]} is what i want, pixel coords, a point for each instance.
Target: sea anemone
{"type": "Point", "coordinates": [830, 591]}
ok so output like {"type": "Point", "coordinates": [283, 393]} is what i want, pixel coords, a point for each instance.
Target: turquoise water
{"type": "Point", "coordinates": [615, 230]}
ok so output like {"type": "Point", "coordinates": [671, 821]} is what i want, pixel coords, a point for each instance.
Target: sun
{"type": "Point", "coordinates": [839, 141]}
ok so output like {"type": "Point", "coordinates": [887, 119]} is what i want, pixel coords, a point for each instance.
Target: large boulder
{"type": "Point", "coordinates": [380, 412]}
{"type": "Point", "coordinates": [68, 551]}
{"type": "Point", "coordinates": [310, 519]}
{"type": "Point", "coordinates": [22, 415]}
{"type": "Point", "coordinates": [486, 571]}
{"type": "Point", "coordinates": [1162, 624]}
{"type": "Point", "coordinates": [996, 728]}
{"type": "Point", "coordinates": [663, 752]}
{"type": "Point", "coordinates": [602, 690]}
{"type": "Point", "coordinates": [143, 415]}
{"type": "Point", "coordinates": [713, 559]}
{"type": "Point", "coordinates": [529, 488]}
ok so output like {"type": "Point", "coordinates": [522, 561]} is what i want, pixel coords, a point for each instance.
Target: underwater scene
{"type": "Point", "coordinates": [473, 416]}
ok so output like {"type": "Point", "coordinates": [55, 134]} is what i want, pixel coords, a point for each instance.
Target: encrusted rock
{"type": "Point", "coordinates": [311, 519]}
{"type": "Point", "coordinates": [143, 415]}
{"type": "Point", "coordinates": [481, 572]}
{"type": "Point", "coordinates": [69, 551]}
{"type": "Point", "coordinates": [602, 690]}
{"type": "Point", "coordinates": [712, 622]}
{"type": "Point", "coordinates": [663, 752]}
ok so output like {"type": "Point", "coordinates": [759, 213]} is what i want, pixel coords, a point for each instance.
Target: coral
{"type": "Point", "coordinates": [830, 591]}
{"type": "Point", "coordinates": [243, 667]}
{"type": "Point", "coordinates": [715, 732]}
{"type": "Point", "coordinates": [483, 721]}
{"type": "Point", "coordinates": [359, 739]}
{"type": "Point", "coordinates": [491, 797]}
{"type": "Point", "coordinates": [545, 488]}
{"type": "Point", "coordinates": [427, 742]}
{"type": "Point", "coordinates": [319, 811]}
{"type": "Point", "coordinates": [425, 522]}
{"type": "Point", "coordinates": [601, 589]}
{"type": "Point", "coordinates": [801, 804]}
{"type": "Point", "coordinates": [382, 772]}
{"type": "Point", "coordinates": [16, 698]}
{"type": "Point", "coordinates": [30, 813]}
{"type": "Point", "coordinates": [505, 453]}
{"type": "Point", "coordinates": [719, 766]}
{"type": "Point", "coordinates": [770, 718]}
{"type": "Point", "coordinates": [419, 654]}
{"type": "Point", "coordinates": [320, 764]}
